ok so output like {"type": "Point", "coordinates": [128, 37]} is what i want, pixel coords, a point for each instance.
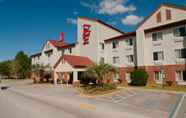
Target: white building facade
{"type": "Point", "coordinates": [158, 46]}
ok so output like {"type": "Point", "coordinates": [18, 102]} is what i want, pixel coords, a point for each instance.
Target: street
{"type": "Point", "coordinates": [47, 101]}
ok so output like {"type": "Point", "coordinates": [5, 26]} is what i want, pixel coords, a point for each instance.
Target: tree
{"type": "Point", "coordinates": [97, 72]}
{"type": "Point", "coordinates": [5, 68]}
{"type": "Point", "coordinates": [24, 63]}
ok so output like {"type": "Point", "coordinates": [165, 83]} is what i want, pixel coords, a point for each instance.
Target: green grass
{"type": "Point", "coordinates": [169, 88]}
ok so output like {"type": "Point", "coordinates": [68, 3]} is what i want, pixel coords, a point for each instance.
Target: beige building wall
{"type": "Point", "coordinates": [144, 46]}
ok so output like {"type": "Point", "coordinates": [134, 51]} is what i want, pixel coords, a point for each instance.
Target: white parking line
{"type": "Point", "coordinates": [123, 98]}
{"type": "Point", "coordinates": [179, 106]}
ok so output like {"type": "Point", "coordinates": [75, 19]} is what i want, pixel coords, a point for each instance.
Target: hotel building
{"type": "Point", "coordinates": [158, 46]}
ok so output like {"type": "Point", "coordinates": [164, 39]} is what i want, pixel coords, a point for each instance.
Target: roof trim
{"type": "Point", "coordinates": [74, 66]}
{"type": "Point", "coordinates": [161, 5]}
{"type": "Point", "coordinates": [103, 23]}
{"type": "Point", "coordinates": [166, 26]}
{"type": "Point", "coordinates": [36, 54]}
{"type": "Point", "coordinates": [126, 35]}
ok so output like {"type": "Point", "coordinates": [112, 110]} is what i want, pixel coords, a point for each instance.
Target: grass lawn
{"type": "Point", "coordinates": [169, 88]}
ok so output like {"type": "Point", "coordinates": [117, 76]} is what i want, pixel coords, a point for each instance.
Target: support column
{"type": "Point", "coordinates": [75, 79]}
{"type": "Point", "coordinates": [55, 77]}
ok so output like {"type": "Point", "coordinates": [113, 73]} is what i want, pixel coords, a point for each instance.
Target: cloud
{"type": "Point", "coordinates": [132, 20]}
{"type": "Point", "coordinates": [75, 13]}
{"type": "Point", "coordinates": [91, 6]}
{"type": "Point", "coordinates": [71, 21]}
{"type": "Point", "coordinates": [110, 7]}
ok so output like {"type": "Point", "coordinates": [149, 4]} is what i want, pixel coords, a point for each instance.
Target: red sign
{"type": "Point", "coordinates": [86, 33]}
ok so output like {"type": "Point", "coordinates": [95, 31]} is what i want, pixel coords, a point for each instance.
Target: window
{"type": "Point", "coordinates": [102, 60]}
{"type": "Point", "coordinates": [168, 14]}
{"type": "Point", "coordinates": [129, 42]}
{"type": "Point", "coordinates": [70, 50]}
{"type": "Point", "coordinates": [180, 31]}
{"type": "Point", "coordinates": [180, 53]}
{"type": "Point", "coordinates": [116, 60]}
{"type": "Point", "coordinates": [157, 36]}
{"type": "Point", "coordinates": [158, 76]}
{"type": "Point", "coordinates": [115, 44]}
{"type": "Point", "coordinates": [158, 17]}
{"type": "Point", "coordinates": [102, 46]}
{"type": "Point", "coordinates": [49, 54]}
{"type": "Point", "coordinates": [158, 56]}
{"type": "Point", "coordinates": [181, 76]}
{"type": "Point", "coordinates": [130, 58]}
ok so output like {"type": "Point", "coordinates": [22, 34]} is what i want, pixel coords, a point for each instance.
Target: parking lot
{"type": "Point", "coordinates": [152, 103]}
{"type": "Point", "coordinates": [125, 103]}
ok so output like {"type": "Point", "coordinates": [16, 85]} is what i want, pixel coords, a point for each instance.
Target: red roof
{"type": "Point", "coordinates": [121, 36]}
{"type": "Point", "coordinates": [60, 44]}
{"type": "Point", "coordinates": [75, 61]}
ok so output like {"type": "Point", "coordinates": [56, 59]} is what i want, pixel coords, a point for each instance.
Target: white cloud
{"type": "Point", "coordinates": [111, 7]}
{"type": "Point", "coordinates": [132, 20]}
{"type": "Point", "coordinates": [92, 6]}
{"type": "Point", "coordinates": [75, 13]}
{"type": "Point", "coordinates": [71, 21]}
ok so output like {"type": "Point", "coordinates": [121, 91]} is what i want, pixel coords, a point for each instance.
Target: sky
{"type": "Point", "coordinates": [25, 25]}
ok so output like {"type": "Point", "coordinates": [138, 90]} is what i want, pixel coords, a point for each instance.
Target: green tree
{"type": "Point", "coordinates": [5, 68]}
{"type": "Point", "coordinates": [24, 63]}
{"type": "Point", "coordinates": [98, 71]}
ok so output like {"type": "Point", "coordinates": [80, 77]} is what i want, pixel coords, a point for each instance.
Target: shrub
{"type": "Point", "coordinates": [99, 88]}
{"type": "Point", "coordinates": [139, 78]}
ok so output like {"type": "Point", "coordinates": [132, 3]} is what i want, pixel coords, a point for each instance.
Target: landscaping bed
{"type": "Point", "coordinates": [169, 88]}
{"type": "Point", "coordinates": [98, 89]}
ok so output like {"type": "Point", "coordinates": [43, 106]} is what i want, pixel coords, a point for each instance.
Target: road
{"type": "Point", "coordinates": [46, 101]}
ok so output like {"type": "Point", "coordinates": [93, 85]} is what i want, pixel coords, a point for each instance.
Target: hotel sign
{"type": "Point", "coordinates": [86, 33]}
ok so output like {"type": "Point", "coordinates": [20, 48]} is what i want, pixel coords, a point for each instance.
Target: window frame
{"type": "Point", "coordinates": [157, 36]}
{"type": "Point", "coordinates": [158, 58]}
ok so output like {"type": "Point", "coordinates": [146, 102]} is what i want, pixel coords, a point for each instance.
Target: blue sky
{"type": "Point", "coordinates": [27, 24]}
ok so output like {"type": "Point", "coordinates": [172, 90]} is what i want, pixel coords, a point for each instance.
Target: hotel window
{"type": "Point", "coordinates": [49, 54]}
{"type": "Point", "coordinates": [130, 58]}
{"type": "Point", "coordinates": [158, 17]}
{"type": "Point", "coordinates": [115, 44]}
{"type": "Point", "coordinates": [116, 60]}
{"type": "Point", "coordinates": [168, 14]}
{"type": "Point", "coordinates": [180, 31]}
{"type": "Point", "coordinates": [157, 36]}
{"type": "Point", "coordinates": [180, 53]}
{"type": "Point", "coordinates": [181, 76]}
{"type": "Point", "coordinates": [158, 56]}
{"type": "Point", "coordinates": [70, 50]}
{"type": "Point", "coordinates": [102, 60]}
{"type": "Point", "coordinates": [129, 42]}
{"type": "Point", "coordinates": [38, 57]}
{"type": "Point", "coordinates": [102, 46]}
{"type": "Point", "coordinates": [158, 76]}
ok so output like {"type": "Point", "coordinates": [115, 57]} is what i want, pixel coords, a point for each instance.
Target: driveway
{"type": "Point", "coordinates": [48, 101]}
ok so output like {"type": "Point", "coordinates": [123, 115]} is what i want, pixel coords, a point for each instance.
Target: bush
{"type": "Point", "coordinates": [98, 88]}
{"type": "Point", "coordinates": [139, 78]}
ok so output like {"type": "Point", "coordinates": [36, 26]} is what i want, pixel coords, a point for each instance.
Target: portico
{"type": "Point", "coordinates": [68, 68]}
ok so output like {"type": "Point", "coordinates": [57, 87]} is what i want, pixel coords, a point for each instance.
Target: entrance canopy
{"type": "Point", "coordinates": [69, 63]}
